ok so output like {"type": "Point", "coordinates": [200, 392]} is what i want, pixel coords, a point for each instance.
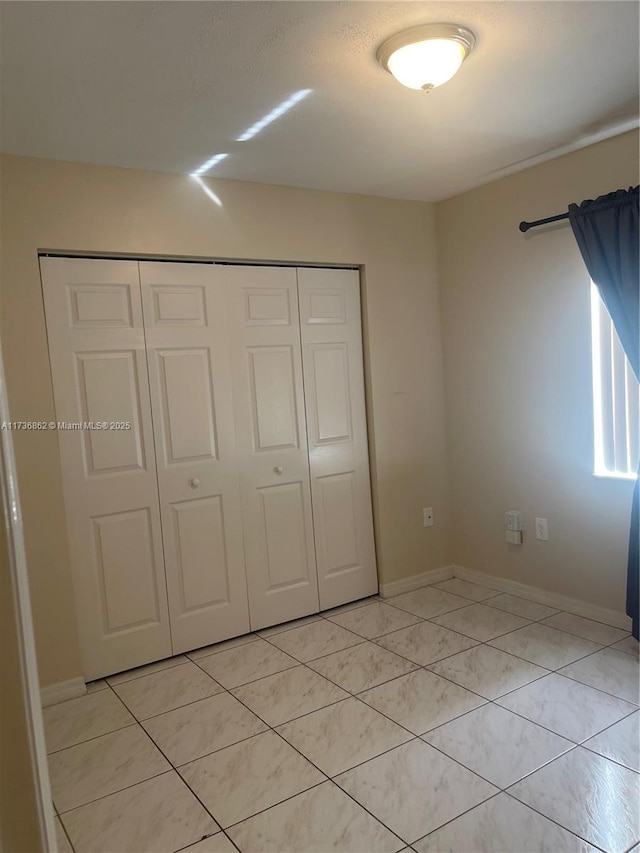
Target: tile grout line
{"type": "Point", "coordinates": [599, 689]}
{"type": "Point", "coordinates": [566, 829]}
{"type": "Point", "coordinates": [64, 829]}
{"type": "Point", "coordinates": [141, 675]}
{"type": "Point", "coordinates": [142, 720]}
{"type": "Point", "coordinates": [170, 769]}
{"type": "Point", "coordinates": [94, 737]}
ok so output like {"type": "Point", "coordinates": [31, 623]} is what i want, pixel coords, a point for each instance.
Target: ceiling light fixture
{"type": "Point", "coordinates": [427, 56]}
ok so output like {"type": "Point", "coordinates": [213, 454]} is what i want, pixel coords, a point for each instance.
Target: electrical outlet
{"type": "Point", "coordinates": [542, 529]}
{"type": "Point", "coordinates": [427, 516]}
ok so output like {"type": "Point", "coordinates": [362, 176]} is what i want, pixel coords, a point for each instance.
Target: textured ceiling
{"type": "Point", "coordinates": [166, 85]}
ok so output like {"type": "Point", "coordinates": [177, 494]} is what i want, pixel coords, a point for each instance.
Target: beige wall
{"type": "Point", "coordinates": [516, 331]}
{"type": "Point", "coordinates": [515, 320]}
{"type": "Point", "coordinates": [53, 205]}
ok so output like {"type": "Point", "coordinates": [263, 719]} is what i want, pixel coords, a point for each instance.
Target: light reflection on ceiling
{"type": "Point", "coordinates": [275, 113]}
{"type": "Point", "coordinates": [210, 163]}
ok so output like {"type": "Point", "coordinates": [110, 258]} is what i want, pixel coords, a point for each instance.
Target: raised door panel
{"type": "Point", "coordinates": [336, 522]}
{"type": "Point", "coordinates": [126, 578]}
{"type": "Point", "coordinates": [201, 553]}
{"type": "Point", "coordinates": [329, 377]}
{"type": "Point", "coordinates": [101, 388]}
{"type": "Point", "coordinates": [284, 534]}
{"type": "Point", "coordinates": [273, 398]}
{"type": "Point", "coordinates": [107, 384]}
{"type": "Point", "coordinates": [186, 387]}
{"type": "Point", "coordinates": [264, 335]}
{"type": "Point", "coordinates": [100, 306]}
{"type": "Point", "coordinates": [337, 432]}
{"type": "Point", "coordinates": [191, 394]}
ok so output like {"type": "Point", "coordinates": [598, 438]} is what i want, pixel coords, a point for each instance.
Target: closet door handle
{"type": "Point", "coordinates": [278, 469]}
{"type": "Point", "coordinates": [194, 483]}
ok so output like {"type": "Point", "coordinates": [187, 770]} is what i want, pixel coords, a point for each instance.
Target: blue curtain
{"type": "Point", "coordinates": [606, 231]}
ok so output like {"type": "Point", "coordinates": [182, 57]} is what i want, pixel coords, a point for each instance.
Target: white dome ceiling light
{"type": "Point", "coordinates": [427, 56]}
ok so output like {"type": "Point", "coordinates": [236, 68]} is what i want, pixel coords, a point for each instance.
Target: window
{"type": "Point", "coordinates": [616, 399]}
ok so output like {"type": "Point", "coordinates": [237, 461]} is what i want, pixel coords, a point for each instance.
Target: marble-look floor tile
{"type": "Point", "coordinates": [361, 667]}
{"type": "Point", "coordinates": [426, 643]}
{"type": "Point", "coordinates": [315, 640]}
{"type": "Point", "coordinates": [481, 622]}
{"type": "Point", "coordinates": [598, 632]}
{"type": "Point", "coordinates": [218, 843]}
{"type": "Point", "coordinates": [608, 670]}
{"type": "Point", "coordinates": [502, 825]}
{"type": "Point", "coordinates": [629, 646]}
{"type": "Point", "coordinates": [320, 820]}
{"type": "Point", "coordinates": [94, 686]}
{"type": "Point", "coordinates": [222, 646]}
{"type": "Point", "coordinates": [160, 814]}
{"type": "Point", "coordinates": [428, 602]}
{"type": "Point", "coordinates": [287, 626]}
{"type": "Point", "coordinates": [246, 663]}
{"type": "Point", "coordinates": [522, 607]}
{"type": "Point", "coordinates": [101, 766]}
{"type": "Point", "coordinates": [487, 671]}
{"type": "Point", "coordinates": [163, 691]}
{"type": "Point", "coordinates": [620, 742]}
{"type": "Point", "coordinates": [202, 727]}
{"type": "Point", "coordinates": [545, 646]}
{"type": "Point", "coordinates": [342, 735]}
{"type": "Point", "coordinates": [566, 707]}
{"type": "Point", "coordinates": [77, 720]}
{"type": "Point", "coordinates": [588, 795]}
{"type": "Point", "coordinates": [473, 591]}
{"type": "Point", "coordinates": [497, 745]}
{"type": "Point", "coordinates": [414, 789]}
{"type": "Point", "coordinates": [147, 669]}
{"type": "Point", "coordinates": [61, 838]}
{"type": "Point", "coordinates": [248, 777]}
{"type": "Point", "coordinates": [374, 620]}
{"type": "Point", "coordinates": [289, 694]}
{"type": "Point", "coordinates": [421, 700]}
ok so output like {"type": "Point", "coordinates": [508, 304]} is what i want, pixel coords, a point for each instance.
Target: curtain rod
{"type": "Point", "coordinates": [524, 226]}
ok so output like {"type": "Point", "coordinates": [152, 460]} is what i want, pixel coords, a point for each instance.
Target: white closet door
{"type": "Point", "coordinates": [337, 431]}
{"type": "Point", "coordinates": [271, 432]}
{"type": "Point", "coordinates": [187, 345]}
{"type": "Point", "coordinates": [99, 371]}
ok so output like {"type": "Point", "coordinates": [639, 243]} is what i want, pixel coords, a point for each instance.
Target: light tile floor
{"type": "Point", "coordinates": [452, 718]}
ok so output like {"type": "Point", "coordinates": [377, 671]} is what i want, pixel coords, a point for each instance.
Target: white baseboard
{"type": "Point", "coordinates": [551, 599]}
{"type": "Point", "coordinates": [416, 581]}
{"type": "Point", "coordinates": [63, 690]}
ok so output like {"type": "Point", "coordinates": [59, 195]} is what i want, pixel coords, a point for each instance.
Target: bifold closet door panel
{"type": "Point", "coordinates": [271, 433]}
{"type": "Point", "coordinates": [99, 371]}
{"type": "Point", "coordinates": [191, 397]}
{"type": "Point", "coordinates": [337, 433]}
